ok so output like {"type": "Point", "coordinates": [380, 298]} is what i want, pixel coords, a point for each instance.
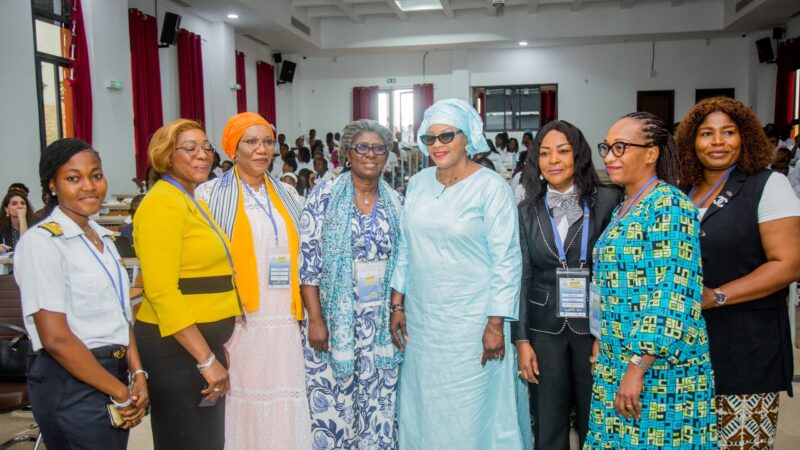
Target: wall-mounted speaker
{"type": "Point", "coordinates": [777, 33]}
{"type": "Point", "coordinates": [169, 31]}
{"type": "Point", "coordinates": [277, 57]}
{"type": "Point", "coordinates": [764, 49]}
{"type": "Point", "coordinates": [287, 72]}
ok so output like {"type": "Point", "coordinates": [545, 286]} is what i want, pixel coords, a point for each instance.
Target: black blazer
{"type": "Point", "coordinates": [749, 343]}
{"type": "Point", "coordinates": [538, 306]}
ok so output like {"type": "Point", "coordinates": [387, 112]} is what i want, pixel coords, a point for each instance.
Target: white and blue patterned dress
{"type": "Point", "coordinates": [359, 411]}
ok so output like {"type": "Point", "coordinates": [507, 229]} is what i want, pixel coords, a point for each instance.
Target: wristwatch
{"type": "Point", "coordinates": [637, 361]}
{"type": "Point", "coordinates": [720, 297]}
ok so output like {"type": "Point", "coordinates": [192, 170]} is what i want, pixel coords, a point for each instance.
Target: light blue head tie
{"type": "Point", "coordinates": [459, 114]}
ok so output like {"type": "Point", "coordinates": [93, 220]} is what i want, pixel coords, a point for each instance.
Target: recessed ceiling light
{"type": "Point", "coordinates": [419, 5]}
{"type": "Point", "coordinates": [523, 43]}
{"type": "Point", "coordinates": [233, 16]}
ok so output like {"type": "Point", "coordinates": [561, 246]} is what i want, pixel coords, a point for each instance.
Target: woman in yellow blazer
{"type": "Point", "coordinates": [190, 299]}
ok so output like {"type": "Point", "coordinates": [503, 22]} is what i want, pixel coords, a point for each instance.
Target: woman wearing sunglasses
{"type": "Point", "coordinates": [653, 385]}
{"type": "Point", "coordinates": [349, 230]}
{"type": "Point", "coordinates": [456, 287]}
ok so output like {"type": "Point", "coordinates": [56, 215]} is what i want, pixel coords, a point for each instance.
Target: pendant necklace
{"type": "Point", "coordinates": [364, 198]}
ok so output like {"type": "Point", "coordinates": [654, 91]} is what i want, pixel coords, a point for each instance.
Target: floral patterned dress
{"type": "Point", "coordinates": [649, 274]}
{"type": "Point", "coordinates": [359, 411]}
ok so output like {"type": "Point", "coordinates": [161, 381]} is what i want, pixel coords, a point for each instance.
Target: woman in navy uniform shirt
{"type": "Point", "coordinates": [76, 306]}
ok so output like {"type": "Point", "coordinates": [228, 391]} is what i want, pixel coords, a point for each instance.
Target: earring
{"type": "Point", "coordinates": [541, 177]}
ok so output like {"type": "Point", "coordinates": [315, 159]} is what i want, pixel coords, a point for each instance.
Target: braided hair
{"type": "Point", "coordinates": [657, 134]}
{"type": "Point", "coordinates": [54, 156]}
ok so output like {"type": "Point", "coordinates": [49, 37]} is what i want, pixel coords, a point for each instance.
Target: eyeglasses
{"type": "Point", "coordinates": [617, 148]}
{"type": "Point", "coordinates": [363, 149]}
{"type": "Point", "coordinates": [254, 143]}
{"type": "Point", "coordinates": [192, 148]}
{"type": "Point", "coordinates": [444, 138]}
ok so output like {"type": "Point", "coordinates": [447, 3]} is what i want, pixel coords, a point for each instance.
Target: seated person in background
{"type": "Point", "coordinates": [277, 161]}
{"type": "Point", "coordinates": [40, 214]}
{"type": "Point", "coordinates": [298, 143]}
{"type": "Point", "coordinates": [216, 170]}
{"type": "Point", "coordinates": [290, 178]}
{"type": "Point", "coordinates": [15, 218]}
{"type": "Point", "coordinates": [226, 165]}
{"type": "Point", "coordinates": [304, 159]}
{"type": "Point", "coordinates": [289, 166]}
{"type": "Point", "coordinates": [281, 139]}
{"type": "Point", "coordinates": [306, 180]}
{"type": "Point", "coordinates": [780, 163]}
{"type": "Point", "coordinates": [321, 171]}
{"type": "Point", "coordinates": [21, 188]}
{"type": "Point", "coordinates": [127, 230]}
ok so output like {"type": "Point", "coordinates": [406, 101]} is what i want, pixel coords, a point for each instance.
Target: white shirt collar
{"type": "Point", "coordinates": [70, 228]}
{"type": "Point", "coordinates": [568, 191]}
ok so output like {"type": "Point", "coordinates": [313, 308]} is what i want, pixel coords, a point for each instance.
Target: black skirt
{"type": "Point", "coordinates": [174, 387]}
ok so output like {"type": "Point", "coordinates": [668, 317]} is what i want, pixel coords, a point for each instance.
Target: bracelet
{"type": "Point", "coordinates": [397, 307]}
{"type": "Point", "coordinates": [593, 359]}
{"type": "Point", "coordinates": [122, 405]}
{"type": "Point", "coordinates": [492, 329]}
{"type": "Point", "coordinates": [637, 361]}
{"type": "Point", "coordinates": [140, 371]}
{"type": "Point", "coordinates": [204, 366]}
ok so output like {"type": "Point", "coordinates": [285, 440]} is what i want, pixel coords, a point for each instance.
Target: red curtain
{"type": "Point", "coordinates": [265, 77]}
{"type": "Point", "coordinates": [148, 115]}
{"type": "Point", "coordinates": [549, 107]}
{"type": "Point", "coordinates": [81, 80]}
{"type": "Point", "coordinates": [241, 94]}
{"type": "Point", "coordinates": [788, 62]}
{"type": "Point", "coordinates": [482, 109]}
{"type": "Point", "coordinates": [190, 76]}
{"type": "Point", "coordinates": [423, 99]}
{"type": "Point", "coordinates": [365, 102]}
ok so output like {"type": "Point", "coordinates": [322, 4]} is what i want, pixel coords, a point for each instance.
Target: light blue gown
{"type": "Point", "coordinates": [459, 263]}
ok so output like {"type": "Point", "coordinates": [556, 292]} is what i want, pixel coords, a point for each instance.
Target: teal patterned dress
{"type": "Point", "coordinates": [650, 278]}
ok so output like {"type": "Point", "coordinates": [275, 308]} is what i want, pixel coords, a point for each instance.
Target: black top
{"type": "Point", "coordinates": [538, 306]}
{"type": "Point", "coordinates": [750, 342]}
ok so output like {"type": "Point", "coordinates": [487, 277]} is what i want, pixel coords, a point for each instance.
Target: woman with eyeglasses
{"type": "Point", "coordinates": [349, 231]}
{"type": "Point", "coordinates": [266, 406]}
{"type": "Point", "coordinates": [653, 384]}
{"type": "Point", "coordinates": [190, 299]}
{"type": "Point", "coordinates": [750, 222]}
{"type": "Point", "coordinates": [564, 211]}
{"type": "Point", "coordinates": [456, 288]}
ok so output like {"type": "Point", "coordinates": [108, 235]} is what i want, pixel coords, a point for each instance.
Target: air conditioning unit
{"type": "Point", "coordinates": [498, 3]}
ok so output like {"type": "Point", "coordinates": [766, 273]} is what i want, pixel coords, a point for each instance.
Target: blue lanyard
{"type": "Point", "coordinates": [121, 291]}
{"type": "Point", "coordinates": [267, 210]}
{"type": "Point", "coordinates": [708, 194]}
{"type": "Point", "coordinates": [625, 210]}
{"type": "Point", "coordinates": [562, 255]}
{"type": "Point", "coordinates": [172, 181]}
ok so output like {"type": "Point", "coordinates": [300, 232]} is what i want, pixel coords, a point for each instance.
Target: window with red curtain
{"type": "Point", "coordinates": [190, 76]}
{"type": "Point", "coordinates": [549, 107]}
{"type": "Point", "coordinates": [241, 94]}
{"type": "Point", "coordinates": [81, 81]}
{"type": "Point", "coordinates": [365, 103]}
{"type": "Point", "coordinates": [423, 99]}
{"type": "Point", "coordinates": [265, 77]}
{"type": "Point", "coordinates": [146, 84]}
{"type": "Point", "coordinates": [788, 62]}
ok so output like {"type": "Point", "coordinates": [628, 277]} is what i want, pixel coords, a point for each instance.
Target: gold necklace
{"type": "Point", "coordinates": [94, 241]}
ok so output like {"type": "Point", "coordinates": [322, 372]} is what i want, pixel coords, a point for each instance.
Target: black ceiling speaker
{"type": "Point", "coordinates": [764, 48]}
{"type": "Point", "coordinates": [277, 57]}
{"type": "Point", "coordinates": [169, 31]}
{"type": "Point", "coordinates": [287, 72]}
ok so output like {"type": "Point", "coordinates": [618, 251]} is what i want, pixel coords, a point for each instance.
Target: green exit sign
{"type": "Point", "coordinates": [391, 80]}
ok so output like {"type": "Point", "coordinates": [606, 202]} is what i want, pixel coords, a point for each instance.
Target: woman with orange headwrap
{"type": "Point", "coordinates": [266, 406]}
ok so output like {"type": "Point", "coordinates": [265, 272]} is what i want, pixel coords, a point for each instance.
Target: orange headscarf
{"type": "Point", "coordinates": [236, 127]}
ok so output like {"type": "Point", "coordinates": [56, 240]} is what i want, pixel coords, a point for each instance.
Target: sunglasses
{"type": "Point", "coordinates": [444, 138]}
{"type": "Point", "coordinates": [363, 149]}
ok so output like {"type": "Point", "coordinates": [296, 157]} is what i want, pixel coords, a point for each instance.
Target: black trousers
{"type": "Point", "coordinates": [565, 381]}
{"type": "Point", "coordinates": [174, 386]}
{"type": "Point", "coordinates": [71, 414]}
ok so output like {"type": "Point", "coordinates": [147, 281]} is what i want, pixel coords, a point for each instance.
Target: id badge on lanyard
{"type": "Point", "coordinates": [369, 282]}
{"type": "Point", "coordinates": [594, 311]}
{"type": "Point", "coordinates": [279, 270]}
{"type": "Point", "coordinates": [573, 291]}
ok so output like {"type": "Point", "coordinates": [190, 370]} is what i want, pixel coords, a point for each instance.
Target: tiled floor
{"type": "Point", "coordinates": [788, 423]}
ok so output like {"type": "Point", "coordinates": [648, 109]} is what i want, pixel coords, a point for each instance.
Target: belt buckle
{"type": "Point", "coordinates": [119, 353]}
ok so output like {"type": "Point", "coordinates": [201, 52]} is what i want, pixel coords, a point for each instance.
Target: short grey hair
{"type": "Point", "coordinates": [356, 127]}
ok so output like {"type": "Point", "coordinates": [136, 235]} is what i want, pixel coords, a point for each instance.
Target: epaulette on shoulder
{"type": "Point", "coordinates": [112, 237]}
{"type": "Point", "coordinates": [53, 227]}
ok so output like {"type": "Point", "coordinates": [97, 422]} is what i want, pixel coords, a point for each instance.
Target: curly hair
{"type": "Point", "coordinates": [756, 151]}
{"type": "Point", "coordinates": [586, 180]}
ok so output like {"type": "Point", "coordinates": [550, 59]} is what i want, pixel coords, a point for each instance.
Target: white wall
{"type": "Point", "coordinates": [19, 115]}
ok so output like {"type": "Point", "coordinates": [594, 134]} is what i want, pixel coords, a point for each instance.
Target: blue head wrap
{"type": "Point", "coordinates": [456, 113]}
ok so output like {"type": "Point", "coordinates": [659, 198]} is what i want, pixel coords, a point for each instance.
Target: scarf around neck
{"type": "Point", "coordinates": [337, 297]}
